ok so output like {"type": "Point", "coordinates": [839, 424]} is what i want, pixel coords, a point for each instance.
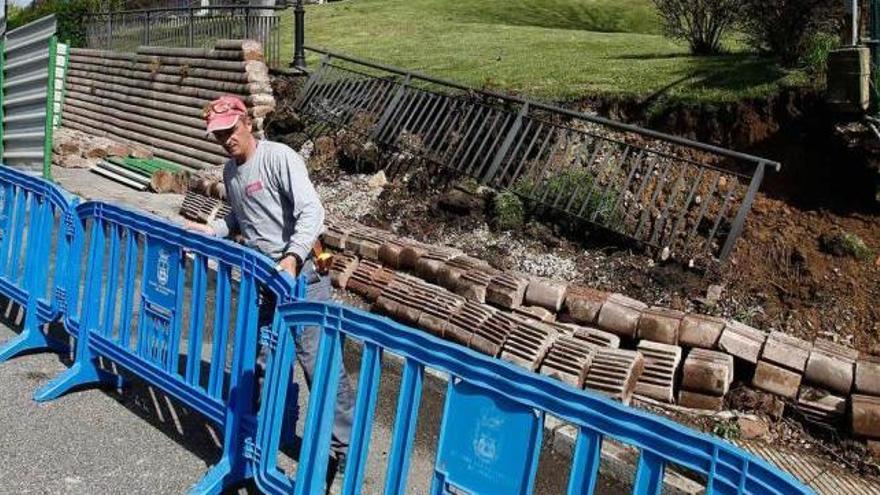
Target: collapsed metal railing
{"type": "Point", "coordinates": [660, 190]}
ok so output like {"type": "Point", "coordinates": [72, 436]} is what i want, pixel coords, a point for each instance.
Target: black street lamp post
{"type": "Point", "coordinates": [299, 53]}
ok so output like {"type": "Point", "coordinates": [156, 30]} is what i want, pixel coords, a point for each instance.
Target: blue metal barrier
{"type": "Point", "coordinates": [37, 229]}
{"type": "Point", "coordinates": [491, 429]}
{"type": "Point", "coordinates": [154, 321]}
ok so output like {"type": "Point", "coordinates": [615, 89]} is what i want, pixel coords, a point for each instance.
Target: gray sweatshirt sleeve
{"type": "Point", "coordinates": [295, 185]}
{"type": "Point", "coordinates": [225, 227]}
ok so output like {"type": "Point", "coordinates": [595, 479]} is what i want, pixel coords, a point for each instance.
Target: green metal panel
{"type": "Point", "coordinates": [50, 110]}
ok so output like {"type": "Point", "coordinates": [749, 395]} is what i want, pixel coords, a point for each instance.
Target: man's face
{"type": "Point", "coordinates": [236, 139]}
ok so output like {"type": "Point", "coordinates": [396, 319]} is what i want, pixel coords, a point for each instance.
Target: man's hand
{"type": "Point", "coordinates": [199, 227]}
{"type": "Point", "coordinates": [290, 264]}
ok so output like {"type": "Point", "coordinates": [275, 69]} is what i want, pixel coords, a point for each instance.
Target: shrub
{"type": "Point", "coordinates": [701, 23]}
{"type": "Point", "coordinates": [70, 15]}
{"type": "Point", "coordinates": [508, 211]}
{"type": "Point", "coordinates": [784, 27]}
{"type": "Point", "coordinates": [816, 50]}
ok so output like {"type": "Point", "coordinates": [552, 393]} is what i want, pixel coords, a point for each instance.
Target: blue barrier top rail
{"type": "Point", "coordinates": [495, 386]}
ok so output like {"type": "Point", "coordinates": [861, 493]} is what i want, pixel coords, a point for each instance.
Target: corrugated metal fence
{"type": "Point", "coordinates": [28, 92]}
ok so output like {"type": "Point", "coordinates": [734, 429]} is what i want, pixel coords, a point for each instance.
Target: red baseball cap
{"type": "Point", "coordinates": [224, 112]}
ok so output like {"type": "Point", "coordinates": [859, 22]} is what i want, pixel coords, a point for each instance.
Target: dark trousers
{"type": "Point", "coordinates": [307, 341]}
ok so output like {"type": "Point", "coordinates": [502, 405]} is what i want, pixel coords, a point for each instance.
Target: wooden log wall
{"type": "Point", "coordinates": [156, 97]}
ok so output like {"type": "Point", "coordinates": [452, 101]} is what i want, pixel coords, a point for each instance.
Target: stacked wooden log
{"type": "Point", "coordinates": [156, 97]}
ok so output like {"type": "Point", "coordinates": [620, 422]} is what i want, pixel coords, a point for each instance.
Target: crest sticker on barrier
{"type": "Point", "coordinates": [488, 444]}
{"type": "Point", "coordinates": [161, 277]}
{"type": "Point", "coordinates": [162, 272]}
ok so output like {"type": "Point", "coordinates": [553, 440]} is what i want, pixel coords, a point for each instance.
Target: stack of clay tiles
{"type": "Point", "coordinates": [597, 340]}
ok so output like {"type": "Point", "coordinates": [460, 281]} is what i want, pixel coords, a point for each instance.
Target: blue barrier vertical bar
{"type": "Point", "coordinates": [404, 428]}
{"type": "Point", "coordinates": [196, 320]}
{"type": "Point", "coordinates": [173, 362]}
{"type": "Point", "coordinates": [142, 328]}
{"type": "Point", "coordinates": [585, 465]}
{"type": "Point", "coordinates": [21, 209]}
{"type": "Point", "coordinates": [7, 212]}
{"type": "Point", "coordinates": [649, 474]}
{"type": "Point", "coordinates": [233, 466]}
{"type": "Point", "coordinates": [128, 280]}
{"type": "Point", "coordinates": [75, 258]}
{"type": "Point", "coordinates": [84, 370]}
{"type": "Point", "coordinates": [222, 301]}
{"type": "Point", "coordinates": [31, 337]}
{"type": "Point", "coordinates": [315, 450]}
{"type": "Point", "coordinates": [112, 281]}
{"type": "Point", "coordinates": [364, 410]}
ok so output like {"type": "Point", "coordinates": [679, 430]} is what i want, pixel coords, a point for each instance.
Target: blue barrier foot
{"type": "Point", "coordinates": [219, 477]}
{"type": "Point", "coordinates": [28, 341]}
{"type": "Point", "coordinates": [78, 375]}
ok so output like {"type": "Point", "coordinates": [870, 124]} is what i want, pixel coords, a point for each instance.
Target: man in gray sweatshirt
{"type": "Point", "coordinates": [277, 211]}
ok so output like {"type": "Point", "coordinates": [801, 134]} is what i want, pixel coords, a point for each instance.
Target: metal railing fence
{"type": "Point", "coordinates": [660, 190]}
{"type": "Point", "coordinates": [187, 27]}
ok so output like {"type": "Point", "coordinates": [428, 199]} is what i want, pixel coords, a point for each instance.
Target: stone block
{"type": "Point", "coordinates": [389, 253]}
{"type": "Point", "coordinates": [786, 351]}
{"type": "Point", "coordinates": [821, 406]}
{"type": "Point", "coordinates": [473, 285]}
{"type": "Point", "coordinates": [614, 372]}
{"type": "Point", "coordinates": [657, 380]}
{"type": "Point", "coordinates": [831, 366]}
{"type": "Point", "coordinates": [394, 298]}
{"type": "Point", "coordinates": [568, 360]}
{"type": "Point", "coordinates": [410, 254]}
{"type": "Point", "coordinates": [461, 326]}
{"type": "Point", "coordinates": [620, 315]}
{"type": "Point", "coordinates": [429, 264]}
{"type": "Point", "coordinates": [379, 280]}
{"type": "Point", "coordinates": [335, 237]}
{"type": "Point", "coordinates": [594, 336]}
{"type": "Point", "coordinates": [489, 337]}
{"type": "Point", "coordinates": [438, 309]}
{"type": "Point", "coordinates": [707, 372]}
{"type": "Point", "coordinates": [361, 279]}
{"type": "Point", "coordinates": [700, 331]}
{"type": "Point", "coordinates": [583, 303]}
{"type": "Point", "coordinates": [366, 242]}
{"type": "Point", "coordinates": [660, 325]}
{"type": "Point", "coordinates": [341, 269]}
{"type": "Point", "coordinates": [776, 380]}
{"type": "Point", "coordinates": [865, 415]}
{"type": "Point", "coordinates": [507, 290]}
{"type": "Point", "coordinates": [696, 400]}
{"type": "Point", "coordinates": [868, 375]}
{"type": "Point", "coordinates": [528, 343]}
{"type": "Point", "coordinates": [535, 313]}
{"type": "Point", "coordinates": [449, 274]}
{"type": "Point", "coordinates": [742, 341]}
{"type": "Point", "coordinates": [548, 294]}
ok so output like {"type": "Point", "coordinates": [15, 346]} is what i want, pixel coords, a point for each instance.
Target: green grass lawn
{"type": "Point", "coordinates": [550, 49]}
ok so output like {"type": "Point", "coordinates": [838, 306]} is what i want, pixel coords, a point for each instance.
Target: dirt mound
{"type": "Point", "coordinates": [781, 268]}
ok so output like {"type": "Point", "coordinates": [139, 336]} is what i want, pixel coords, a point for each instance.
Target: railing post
{"type": "Point", "coordinates": [299, 55]}
{"type": "Point", "coordinates": [191, 36]}
{"type": "Point", "coordinates": [744, 208]}
{"type": "Point", "coordinates": [247, 23]}
{"type": "Point", "coordinates": [107, 45]}
{"type": "Point", "coordinates": [147, 30]}
{"type": "Point", "coordinates": [390, 110]}
{"type": "Point", "coordinates": [505, 145]}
